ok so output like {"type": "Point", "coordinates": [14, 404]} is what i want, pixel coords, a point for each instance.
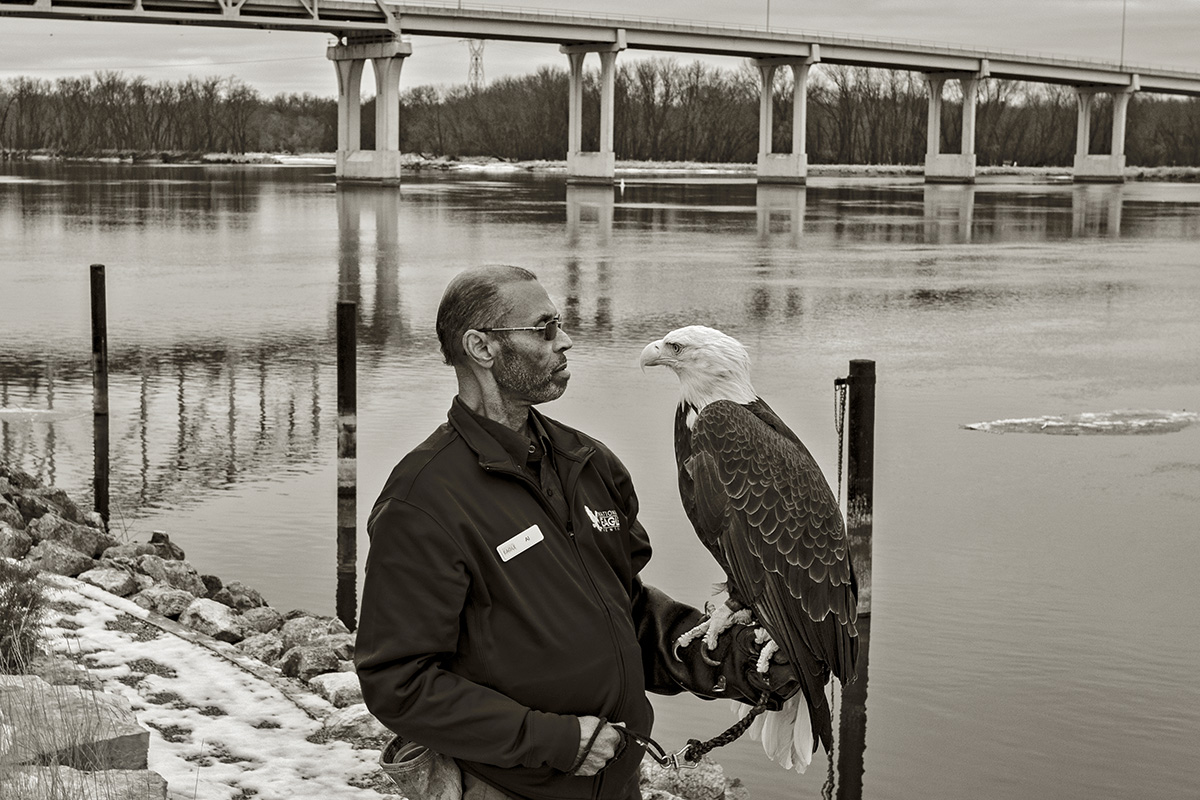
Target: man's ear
{"type": "Point", "coordinates": [479, 348]}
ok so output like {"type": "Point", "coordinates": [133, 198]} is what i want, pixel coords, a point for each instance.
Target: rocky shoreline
{"type": "Point", "coordinates": [44, 529]}
{"type": "Point", "coordinates": [295, 651]}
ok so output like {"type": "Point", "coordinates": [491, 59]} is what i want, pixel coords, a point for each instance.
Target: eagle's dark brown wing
{"type": "Point", "coordinates": [761, 505]}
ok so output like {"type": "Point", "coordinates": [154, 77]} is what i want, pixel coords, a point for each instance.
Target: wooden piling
{"type": "Point", "coordinates": [860, 475]}
{"type": "Point", "coordinates": [852, 723]}
{"type": "Point", "coordinates": [860, 469]}
{"type": "Point", "coordinates": [100, 390]}
{"type": "Point", "coordinates": [347, 479]}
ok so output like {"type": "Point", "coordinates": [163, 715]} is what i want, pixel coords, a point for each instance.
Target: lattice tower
{"type": "Point", "coordinates": [475, 73]}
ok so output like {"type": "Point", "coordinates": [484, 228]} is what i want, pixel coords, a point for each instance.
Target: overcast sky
{"type": "Point", "coordinates": [1157, 32]}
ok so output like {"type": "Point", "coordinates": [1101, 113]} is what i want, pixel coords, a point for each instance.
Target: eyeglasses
{"type": "Point", "coordinates": [549, 331]}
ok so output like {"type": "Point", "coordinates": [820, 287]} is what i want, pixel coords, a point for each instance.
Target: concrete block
{"type": "Point", "coordinates": [949, 167]}
{"type": "Point", "coordinates": [117, 784]}
{"type": "Point", "coordinates": [591, 167]}
{"type": "Point", "coordinates": [92, 731]}
{"type": "Point", "coordinates": [1095, 168]}
{"type": "Point", "coordinates": [368, 166]}
{"type": "Point", "coordinates": [782, 168]}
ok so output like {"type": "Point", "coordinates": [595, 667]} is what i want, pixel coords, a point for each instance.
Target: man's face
{"type": "Point", "coordinates": [527, 367]}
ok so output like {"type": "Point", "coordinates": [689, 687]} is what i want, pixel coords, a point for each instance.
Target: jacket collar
{"type": "Point", "coordinates": [493, 455]}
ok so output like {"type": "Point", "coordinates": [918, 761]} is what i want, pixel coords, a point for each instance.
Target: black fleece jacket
{"type": "Point", "coordinates": [489, 624]}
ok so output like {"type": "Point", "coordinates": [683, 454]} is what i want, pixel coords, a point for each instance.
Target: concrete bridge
{"type": "Point", "coordinates": [376, 31]}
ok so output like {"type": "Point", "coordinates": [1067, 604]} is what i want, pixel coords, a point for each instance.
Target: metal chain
{"type": "Point", "coordinates": [839, 424]}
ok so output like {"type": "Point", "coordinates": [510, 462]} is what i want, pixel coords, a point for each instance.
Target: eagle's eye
{"type": "Point", "coordinates": [676, 347]}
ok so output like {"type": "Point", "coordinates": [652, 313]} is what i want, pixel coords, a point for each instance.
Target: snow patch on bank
{"type": "Point", "coordinates": [217, 731]}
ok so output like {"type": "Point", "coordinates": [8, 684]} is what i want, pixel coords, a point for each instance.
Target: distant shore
{"type": "Point", "coordinates": [485, 164]}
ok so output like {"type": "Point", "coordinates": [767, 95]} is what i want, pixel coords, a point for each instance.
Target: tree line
{"type": "Point", "coordinates": [665, 110]}
{"type": "Point", "coordinates": [112, 113]}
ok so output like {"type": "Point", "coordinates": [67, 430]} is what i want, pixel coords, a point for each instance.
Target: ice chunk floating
{"type": "Point", "coordinates": [20, 414]}
{"type": "Point", "coordinates": [1112, 423]}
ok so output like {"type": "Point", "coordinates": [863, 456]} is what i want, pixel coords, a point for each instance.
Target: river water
{"type": "Point", "coordinates": [1036, 620]}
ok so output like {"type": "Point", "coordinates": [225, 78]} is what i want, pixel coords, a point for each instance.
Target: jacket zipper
{"type": "Point", "coordinates": [573, 481]}
{"type": "Point", "coordinates": [569, 526]}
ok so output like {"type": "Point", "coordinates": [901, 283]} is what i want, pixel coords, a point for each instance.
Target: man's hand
{"type": "Point", "coordinates": [604, 745]}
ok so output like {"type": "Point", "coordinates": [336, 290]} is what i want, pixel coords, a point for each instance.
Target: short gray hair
{"type": "Point", "coordinates": [472, 300]}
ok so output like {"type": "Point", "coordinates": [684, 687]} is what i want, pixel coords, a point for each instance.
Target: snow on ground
{"type": "Point", "coordinates": [217, 731]}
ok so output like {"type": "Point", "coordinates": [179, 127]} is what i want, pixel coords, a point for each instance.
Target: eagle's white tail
{"type": "Point", "coordinates": [786, 734]}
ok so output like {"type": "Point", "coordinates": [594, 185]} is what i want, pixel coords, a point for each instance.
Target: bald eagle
{"type": "Point", "coordinates": [762, 507]}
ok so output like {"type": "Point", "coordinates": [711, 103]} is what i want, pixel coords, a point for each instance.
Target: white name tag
{"type": "Point", "coordinates": [520, 543]}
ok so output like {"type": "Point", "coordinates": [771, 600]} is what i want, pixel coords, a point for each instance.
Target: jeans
{"type": "Point", "coordinates": [475, 789]}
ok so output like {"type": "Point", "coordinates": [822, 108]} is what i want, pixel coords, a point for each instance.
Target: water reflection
{"type": "Point", "coordinates": [122, 194]}
{"type": "Point", "coordinates": [780, 208]}
{"type": "Point", "coordinates": [949, 213]}
{"type": "Point", "coordinates": [1096, 210]}
{"type": "Point", "coordinates": [382, 321]}
{"type": "Point", "coordinates": [590, 211]}
{"type": "Point", "coordinates": [195, 421]}
{"type": "Point", "coordinates": [589, 208]}
{"type": "Point", "coordinates": [851, 742]}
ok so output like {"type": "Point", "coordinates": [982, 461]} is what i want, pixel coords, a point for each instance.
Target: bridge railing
{"type": "Point", "coordinates": [822, 37]}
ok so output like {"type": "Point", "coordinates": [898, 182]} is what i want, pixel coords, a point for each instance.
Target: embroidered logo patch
{"type": "Point", "coordinates": [604, 521]}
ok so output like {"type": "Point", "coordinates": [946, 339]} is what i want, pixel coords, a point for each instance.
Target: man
{"type": "Point", "coordinates": [503, 621]}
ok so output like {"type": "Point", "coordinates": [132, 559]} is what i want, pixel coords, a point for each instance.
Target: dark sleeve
{"type": "Point", "coordinates": [660, 620]}
{"type": "Point", "coordinates": [413, 594]}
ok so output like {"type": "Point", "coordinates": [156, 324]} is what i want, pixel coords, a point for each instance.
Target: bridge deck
{"type": "Point", "coordinates": [340, 17]}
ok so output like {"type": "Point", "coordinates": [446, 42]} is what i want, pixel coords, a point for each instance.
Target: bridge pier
{"type": "Point", "coordinates": [592, 166]}
{"type": "Point", "coordinates": [786, 168]}
{"type": "Point", "coordinates": [952, 167]}
{"type": "Point", "coordinates": [387, 54]}
{"type": "Point", "coordinates": [1099, 167]}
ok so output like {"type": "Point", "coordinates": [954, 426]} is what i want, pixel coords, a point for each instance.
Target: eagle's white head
{"type": "Point", "coordinates": [711, 365]}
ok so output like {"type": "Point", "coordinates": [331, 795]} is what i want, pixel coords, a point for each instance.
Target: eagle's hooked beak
{"type": "Point", "coordinates": [653, 356]}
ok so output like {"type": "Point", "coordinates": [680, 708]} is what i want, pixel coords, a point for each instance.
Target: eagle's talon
{"type": "Point", "coordinates": [690, 636]}
{"type": "Point", "coordinates": [764, 657]}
